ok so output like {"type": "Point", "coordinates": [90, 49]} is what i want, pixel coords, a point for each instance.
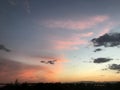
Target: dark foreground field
{"type": "Point", "coordinates": [62, 86]}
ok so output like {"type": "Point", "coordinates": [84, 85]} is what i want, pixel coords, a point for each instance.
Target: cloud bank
{"type": "Point", "coordinates": [11, 70]}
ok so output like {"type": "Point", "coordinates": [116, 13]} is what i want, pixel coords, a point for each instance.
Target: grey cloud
{"type": "Point", "coordinates": [27, 6]}
{"type": "Point", "coordinates": [49, 62]}
{"type": "Point", "coordinates": [107, 40]}
{"type": "Point", "coordinates": [25, 2]}
{"type": "Point", "coordinates": [2, 47]}
{"type": "Point", "coordinates": [114, 67]}
{"type": "Point", "coordinates": [48, 59]}
{"type": "Point", "coordinates": [97, 50]}
{"type": "Point", "coordinates": [12, 2]}
{"type": "Point", "coordinates": [104, 69]}
{"type": "Point", "coordinates": [102, 60]}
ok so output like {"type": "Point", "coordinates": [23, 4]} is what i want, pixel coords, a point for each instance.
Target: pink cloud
{"type": "Point", "coordinates": [36, 74]}
{"type": "Point", "coordinates": [69, 45]}
{"type": "Point", "coordinates": [106, 29]}
{"type": "Point", "coordinates": [76, 24]}
{"type": "Point", "coordinates": [71, 42]}
{"type": "Point", "coordinates": [89, 34]}
{"type": "Point", "coordinates": [12, 70]}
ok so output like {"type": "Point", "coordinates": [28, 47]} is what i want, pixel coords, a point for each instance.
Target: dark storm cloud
{"type": "Point", "coordinates": [97, 50]}
{"type": "Point", "coordinates": [102, 60]}
{"type": "Point", "coordinates": [107, 40]}
{"type": "Point", "coordinates": [2, 47]}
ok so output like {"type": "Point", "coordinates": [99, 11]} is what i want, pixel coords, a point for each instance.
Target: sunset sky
{"type": "Point", "coordinates": [51, 40]}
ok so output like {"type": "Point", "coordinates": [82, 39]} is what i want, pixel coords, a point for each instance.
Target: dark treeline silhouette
{"type": "Point", "coordinates": [63, 86]}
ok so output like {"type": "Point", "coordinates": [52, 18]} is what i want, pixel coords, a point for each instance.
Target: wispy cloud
{"type": "Point", "coordinates": [71, 42]}
{"type": "Point", "coordinates": [48, 58]}
{"type": "Point", "coordinates": [76, 24]}
{"type": "Point", "coordinates": [2, 47]}
{"type": "Point", "coordinates": [68, 45]}
{"type": "Point", "coordinates": [107, 28]}
{"type": "Point", "coordinates": [27, 6]}
{"type": "Point", "coordinates": [12, 2]}
{"type": "Point", "coordinates": [89, 34]}
{"type": "Point", "coordinates": [104, 31]}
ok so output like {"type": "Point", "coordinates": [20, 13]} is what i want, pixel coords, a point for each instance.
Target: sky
{"type": "Point", "coordinates": [59, 40]}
